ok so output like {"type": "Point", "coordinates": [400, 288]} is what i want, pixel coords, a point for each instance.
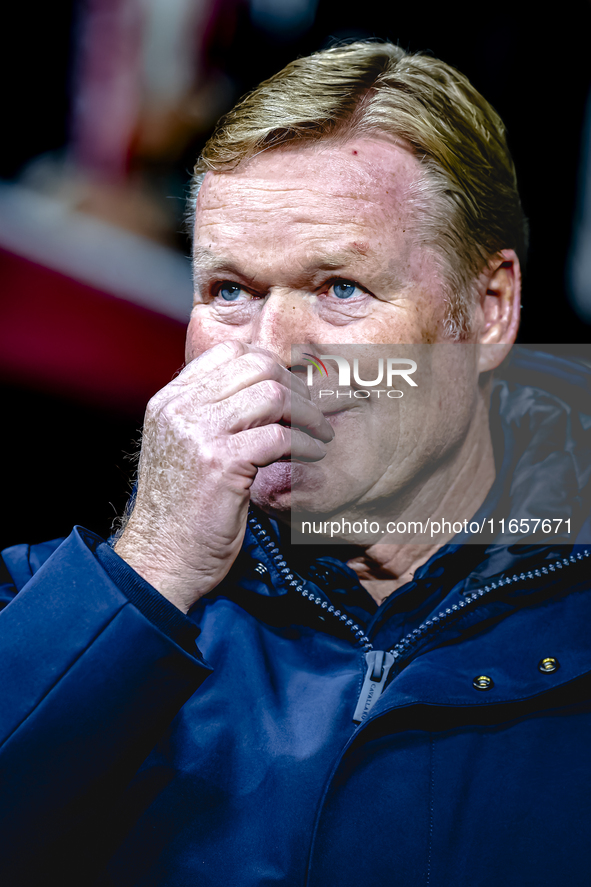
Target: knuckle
{"type": "Point", "coordinates": [231, 348]}
{"type": "Point", "coordinates": [234, 449]}
{"type": "Point", "coordinates": [156, 405]}
{"type": "Point", "coordinates": [264, 363]}
{"type": "Point", "coordinates": [170, 421]}
{"type": "Point", "coordinates": [210, 455]}
{"type": "Point", "coordinates": [272, 390]}
{"type": "Point", "coordinates": [153, 404]}
{"type": "Point", "coordinates": [160, 397]}
{"type": "Point", "coordinates": [224, 414]}
{"type": "Point", "coordinates": [186, 368]}
{"type": "Point", "coordinates": [206, 361]}
{"type": "Point", "coordinates": [278, 435]}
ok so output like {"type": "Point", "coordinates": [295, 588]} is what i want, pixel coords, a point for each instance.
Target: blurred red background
{"type": "Point", "coordinates": [107, 104]}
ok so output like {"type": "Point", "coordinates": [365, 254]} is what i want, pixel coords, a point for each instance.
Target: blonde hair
{"type": "Point", "coordinates": [466, 203]}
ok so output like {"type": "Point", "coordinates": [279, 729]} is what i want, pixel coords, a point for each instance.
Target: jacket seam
{"type": "Point", "coordinates": [63, 675]}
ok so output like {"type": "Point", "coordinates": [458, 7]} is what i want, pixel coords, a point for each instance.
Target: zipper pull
{"type": "Point", "coordinates": [379, 664]}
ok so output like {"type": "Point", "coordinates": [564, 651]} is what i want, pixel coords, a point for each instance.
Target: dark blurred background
{"type": "Point", "coordinates": [106, 106]}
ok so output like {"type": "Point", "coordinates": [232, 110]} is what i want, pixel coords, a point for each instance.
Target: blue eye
{"type": "Point", "coordinates": [344, 289]}
{"type": "Point", "coordinates": [229, 292]}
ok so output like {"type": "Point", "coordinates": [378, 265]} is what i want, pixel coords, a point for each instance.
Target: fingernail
{"type": "Point", "coordinates": [326, 424]}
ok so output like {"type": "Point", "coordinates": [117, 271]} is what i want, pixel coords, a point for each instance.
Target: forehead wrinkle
{"type": "Point", "coordinates": [349, 207]}
{"type": "Point", "coordinates": [292, 157]}
{"type": "Point", "coordinates": [238, 193]}
{"type": "Point", "coordinates": [339, 257]}
{"type": "Point", "coordinates": [276, 170]}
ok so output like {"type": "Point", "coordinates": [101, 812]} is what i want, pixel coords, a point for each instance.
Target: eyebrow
{"type": "Point", "coordinates": [342, 257]}
{"type": "Point", "coordinates": [205, 258]}
{"type": "Point", "coordinates": [209, 261]}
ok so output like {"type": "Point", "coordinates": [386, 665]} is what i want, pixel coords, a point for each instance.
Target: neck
{"type": "Point", "coordinates": [452, 492]}
{"type": "Point", "coordinates": [384, 567]}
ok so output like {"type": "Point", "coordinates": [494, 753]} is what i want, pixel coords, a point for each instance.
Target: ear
{"type": "Point", "coordinates": [497, 318]}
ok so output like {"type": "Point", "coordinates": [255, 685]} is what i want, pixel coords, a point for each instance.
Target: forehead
{"type": "Point", "coordinates": [363, 183]}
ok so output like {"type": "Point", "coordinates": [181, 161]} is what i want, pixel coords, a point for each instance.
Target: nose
{"type": "Point", "coordinates": [286, 319]}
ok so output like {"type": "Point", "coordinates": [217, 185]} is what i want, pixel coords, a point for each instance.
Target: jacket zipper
{"type": "Point", "coordinates": [271, 550]}
{"type": "Point", "coordinates": [378, 662]}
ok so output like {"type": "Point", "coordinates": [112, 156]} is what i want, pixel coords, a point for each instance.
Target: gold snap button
{"type": "Point", "coordinates": [548, 665]}
{"type": "Point", "coordinates": [482, 682]}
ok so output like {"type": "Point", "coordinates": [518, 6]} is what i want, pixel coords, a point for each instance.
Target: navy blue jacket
{"type": "Point", "coordinates": [140, 747]}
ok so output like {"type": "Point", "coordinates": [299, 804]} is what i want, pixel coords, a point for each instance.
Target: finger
{"type": "Point", "coordinates": [222, 354]}
{"type": "Point", "coordinates": [215, 375]}
{"type": "Point", "coordinates": [246, 370]}
{"type": "Point", "coordinates": [270, 443]}
{"type": "Point", "coordinates": [215, 357]}
{"type": "Point", "coordinates": [269, 402]}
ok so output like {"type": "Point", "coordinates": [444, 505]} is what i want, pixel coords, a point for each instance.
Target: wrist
{"type": "Point", "coordinates": [174, 582]}
{"type": "Point", "coordinates": [153, 605]}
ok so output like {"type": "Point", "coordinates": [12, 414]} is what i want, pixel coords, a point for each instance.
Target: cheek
{"type": "Point", "coordinates": [197, 340]}
{"type": "Point", "coordinates": [203, 333]}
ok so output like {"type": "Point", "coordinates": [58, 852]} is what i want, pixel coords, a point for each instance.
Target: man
{"type": "Point", "coordinates": [370, 713]}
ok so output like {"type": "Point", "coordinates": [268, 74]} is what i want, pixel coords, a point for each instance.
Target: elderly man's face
{"type": "Point", "coordinates": [316, 245]}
